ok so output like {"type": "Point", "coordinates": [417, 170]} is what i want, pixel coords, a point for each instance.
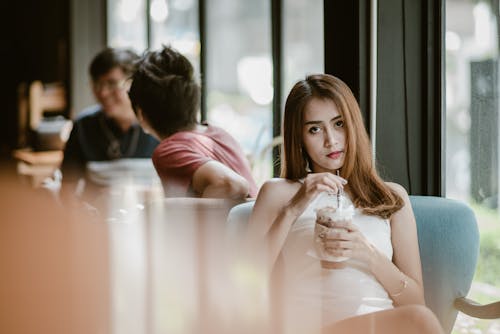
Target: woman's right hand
{"type": "Point", "coordinates": [312, 186]}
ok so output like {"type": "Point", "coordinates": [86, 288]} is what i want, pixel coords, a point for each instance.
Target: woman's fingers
{"type": "Point", "coordinates": [339, 252]}
{"type": "Point", "coordinates": [337, 234]}
{"type": "Point", "coordinates": [318, 181]}
{"type": "Point", "coordinates": [336, 183]}
{"type": "Point", "coordinates": [347, 225]}
{"type": "Point", "coordinates": [338, 244]}
{"type": "Point", "coordinates": [340, 238]}
{"type": "Point", "coordinates": [345, 243]}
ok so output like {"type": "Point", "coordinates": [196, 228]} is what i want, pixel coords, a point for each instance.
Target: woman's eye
{"type": "Point", "coordinates": [314, 129]}
{"type": "Point", "coordinates": [339, 124]}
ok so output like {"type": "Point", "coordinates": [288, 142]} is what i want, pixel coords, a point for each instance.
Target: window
{"type": "Point", "coordinates": [303, 41]}
{"type": "Point", "coordinates": [126, 27]}
{"type": "Point", "coordinates": [472, 137]}
{"type": "Point", "coordinates": [175, 23]}
{"type": "Point", "coordinates": [240, 75]}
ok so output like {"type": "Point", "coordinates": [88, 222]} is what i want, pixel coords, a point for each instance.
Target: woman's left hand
{"type": "Point", "coordinates": [346, 240]}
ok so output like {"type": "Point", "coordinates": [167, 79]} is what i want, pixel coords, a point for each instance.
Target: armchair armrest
{"type": "Point", "coordinates": [470, 307]}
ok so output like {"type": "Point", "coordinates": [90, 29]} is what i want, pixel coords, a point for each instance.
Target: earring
{"type": "Point", "coordinates": [306, 159]}
{"type": "Point", "coordinates": [308, 169]}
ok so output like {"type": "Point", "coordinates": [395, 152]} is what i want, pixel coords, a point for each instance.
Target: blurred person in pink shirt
{"type": "Point", "coordinates": [193, 159]}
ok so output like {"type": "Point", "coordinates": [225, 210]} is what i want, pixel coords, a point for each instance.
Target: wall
{"type": "Point", "coordinates": [88, 31]}
{"type": "Point", "coordinates": [35, 40]}
{"type": "Point", "coordinates": [52, 40]}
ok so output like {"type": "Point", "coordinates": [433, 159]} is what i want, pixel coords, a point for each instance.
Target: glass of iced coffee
{"type": "Point", "coordinates": [332, 212]}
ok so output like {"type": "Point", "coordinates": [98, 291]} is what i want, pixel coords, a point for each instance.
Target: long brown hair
{"type": "Point", "coordinates": [368, 191]}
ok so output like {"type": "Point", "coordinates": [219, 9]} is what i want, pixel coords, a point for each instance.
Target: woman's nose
{"type": "Point", "coordinates": [330, 138]}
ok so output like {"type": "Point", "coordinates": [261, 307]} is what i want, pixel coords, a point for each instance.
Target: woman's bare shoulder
{"type": "Point", "coordinates": [273, 195]}
{"type": "Point", "coordinates": [281, 182]}
{"type": "Point", "coordinates": [399, 189]}
{"type": "Point", "coordinates": [278, 189]}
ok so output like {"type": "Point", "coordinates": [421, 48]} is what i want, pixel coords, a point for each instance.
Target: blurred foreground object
{"type": "Point", "coordinates": [54, 265]}
{"type": "Point", "coordinates": [146, 264]}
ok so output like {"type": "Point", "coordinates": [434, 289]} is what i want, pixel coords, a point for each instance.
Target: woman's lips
{"type": "Point", "coordinates": [335, 155]}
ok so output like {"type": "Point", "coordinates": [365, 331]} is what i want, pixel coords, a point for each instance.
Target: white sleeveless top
{"type": "Point", "coordinates": [315, 297]}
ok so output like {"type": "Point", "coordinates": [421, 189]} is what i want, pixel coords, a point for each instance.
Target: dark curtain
{"type": "Point", "coordinates": [410, 108]}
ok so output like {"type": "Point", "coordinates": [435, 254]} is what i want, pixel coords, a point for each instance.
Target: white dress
{"type": "Point", "coordinates": [315, 297]}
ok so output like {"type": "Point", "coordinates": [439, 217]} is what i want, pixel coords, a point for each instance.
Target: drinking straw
{"type": "Point", "coordinates": [338, 193]}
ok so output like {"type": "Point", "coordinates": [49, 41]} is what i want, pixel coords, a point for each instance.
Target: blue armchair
{"type": "Point", "coordinates": [449, 246]}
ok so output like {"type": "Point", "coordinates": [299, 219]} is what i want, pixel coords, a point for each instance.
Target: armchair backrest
{"type": "Point", "coordinates": [449, 246]}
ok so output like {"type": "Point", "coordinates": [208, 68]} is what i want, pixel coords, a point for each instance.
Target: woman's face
{"type": "Point", "coordinates": [323, 135]}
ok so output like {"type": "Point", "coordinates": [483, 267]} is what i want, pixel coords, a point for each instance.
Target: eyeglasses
{"type": "Point", "coordinates": [112, 85]}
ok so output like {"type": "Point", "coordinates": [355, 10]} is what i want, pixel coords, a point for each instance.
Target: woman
{"type": "Point", "coordinates": [326, 149]}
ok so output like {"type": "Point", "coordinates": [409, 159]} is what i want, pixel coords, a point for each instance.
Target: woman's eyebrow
{"type": "Point", "coordinates": [312, 122]}
{"type": "Point", "coordinates": [319, 122]}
